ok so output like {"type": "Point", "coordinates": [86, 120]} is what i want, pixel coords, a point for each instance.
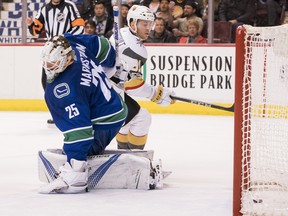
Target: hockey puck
{"type": "Point", "coordinates": [257, 201]}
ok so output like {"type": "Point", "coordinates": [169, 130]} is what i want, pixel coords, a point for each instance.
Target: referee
{"type": "Point", "coordinates": [56, 18]}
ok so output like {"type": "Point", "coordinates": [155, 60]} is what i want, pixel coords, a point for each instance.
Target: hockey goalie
{"type": "Point", "coordinates": [89, 113]}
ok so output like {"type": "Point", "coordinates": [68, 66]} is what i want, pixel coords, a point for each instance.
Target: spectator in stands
{"type": "Point", "coordinates": [194, 27]}
{"type": "Point", "coordinates": [199, 7]}
{"type": "Point", "coordinates": [104, 22]}
{"type": "Point", "coordinates": [154, 5]}
{"type": "Point", "coordinates": [130, 3]}
{"type": "Point", "coordinates": [274, 11]}
{"type": "Point", "coordinates": [165, 11]}
{"type": "Point", "coordinates": [180, 4]}
{"type": "Point", "coordinates": [87, 8]}
{"type": "Point", "coordinates": [124, 11]}
{"type": "Point", "coordinates": [90, 27]}
{"type": "Point", "coordinates": [145, 3]}
{"type": "Point", "coordinates": [178, 8]}
{"type": "Point", "coordinates": [216, 10]}
{"type": "Point", "coordinates": [56, 18]}
{"type": "Point", "coordinates": [179, 25]}
{"type": "Point", "coordinates": [1, 6]}
{"type": "Point", "coordinates": [237, 12]}
{"type": "Point", "coordinates": [205, 15]}
{"type": "Point", "coordinates": [109, 7]}
{"type": "Point", "coordinates": [160, 34]}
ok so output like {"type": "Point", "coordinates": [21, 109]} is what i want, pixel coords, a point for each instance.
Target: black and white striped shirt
{"type": "Point", "coordinates": [57, 20]}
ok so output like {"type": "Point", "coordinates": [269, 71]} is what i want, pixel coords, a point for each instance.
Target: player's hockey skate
{"type": "Point", "coordinates": [72, 179]}
{"type": "Point", "coordinates": [50, 121]}
{"type": "Point", "coordinates": [156, 175]}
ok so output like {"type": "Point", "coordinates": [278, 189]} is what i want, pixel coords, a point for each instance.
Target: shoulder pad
{"type": "Point", "coordinates": [131, 41]}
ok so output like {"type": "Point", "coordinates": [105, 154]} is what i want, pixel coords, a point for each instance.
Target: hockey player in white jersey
{"type": "Point", "coordinates": [132, 56]}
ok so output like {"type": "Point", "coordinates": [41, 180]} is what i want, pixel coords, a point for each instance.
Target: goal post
{"type": "Point", "coordinates": [260, 184]}
{"type": "Point", "coordinates": [240, 51]}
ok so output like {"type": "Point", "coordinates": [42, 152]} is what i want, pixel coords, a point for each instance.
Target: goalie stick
{"type": "Point", "coordinates": [229, 109]}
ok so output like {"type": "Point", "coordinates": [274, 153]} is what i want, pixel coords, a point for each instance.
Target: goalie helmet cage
{"type": "Point", "coordinates": [260, 184]}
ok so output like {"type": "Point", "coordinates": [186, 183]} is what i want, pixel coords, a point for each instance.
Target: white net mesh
{"type": "Point", "coordinates": [265, 122]}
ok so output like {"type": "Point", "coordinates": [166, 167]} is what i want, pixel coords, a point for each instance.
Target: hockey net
{"type": "Point", "coordinates": [261, 121]}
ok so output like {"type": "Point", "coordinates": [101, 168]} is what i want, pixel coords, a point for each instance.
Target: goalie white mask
{"type": "Point", "coordinates": [57, 54]}
{"type": "Point", "coordinates": [139, 12]}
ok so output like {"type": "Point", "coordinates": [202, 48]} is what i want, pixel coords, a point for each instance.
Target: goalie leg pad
{"type": "Point", "coordinates": [131, 172]}
{"type": "Point", "coordinates": [130, 168]}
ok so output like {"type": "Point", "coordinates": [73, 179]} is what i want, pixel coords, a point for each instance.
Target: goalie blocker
{"type": "Point", "coordinates": [119, 169]}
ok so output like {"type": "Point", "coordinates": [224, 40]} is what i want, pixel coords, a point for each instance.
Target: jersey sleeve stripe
{"type": "Point", "coordinates": [80, 128]}
{"type": "Point", "coordinates": [78, 140]}
{"type": "Point", "coordinates": [104, 49]}
{"type": "Point", "coordinates": [113, 118]}
{"type": "Point", "coordinates": [78, 135]}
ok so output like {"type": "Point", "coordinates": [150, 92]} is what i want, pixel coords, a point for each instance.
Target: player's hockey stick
{"type": "Point", "coordinates": [116, 33]}
{"type": "Point", "coordinates": [229, 109]}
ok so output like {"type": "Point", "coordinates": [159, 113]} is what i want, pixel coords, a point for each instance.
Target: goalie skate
{"type": "Point", "coordinates": [71, 179]}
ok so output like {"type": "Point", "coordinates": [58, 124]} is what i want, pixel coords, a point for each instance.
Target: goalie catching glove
{"type": "Point", "coordinates": [162, 96]}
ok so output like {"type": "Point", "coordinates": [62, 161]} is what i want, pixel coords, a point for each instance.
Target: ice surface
{"type": "Point", "coordinates": [198, 149]}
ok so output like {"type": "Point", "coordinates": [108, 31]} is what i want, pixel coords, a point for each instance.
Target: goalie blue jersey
{"type": "Point", "coordinates": [81, 98]}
